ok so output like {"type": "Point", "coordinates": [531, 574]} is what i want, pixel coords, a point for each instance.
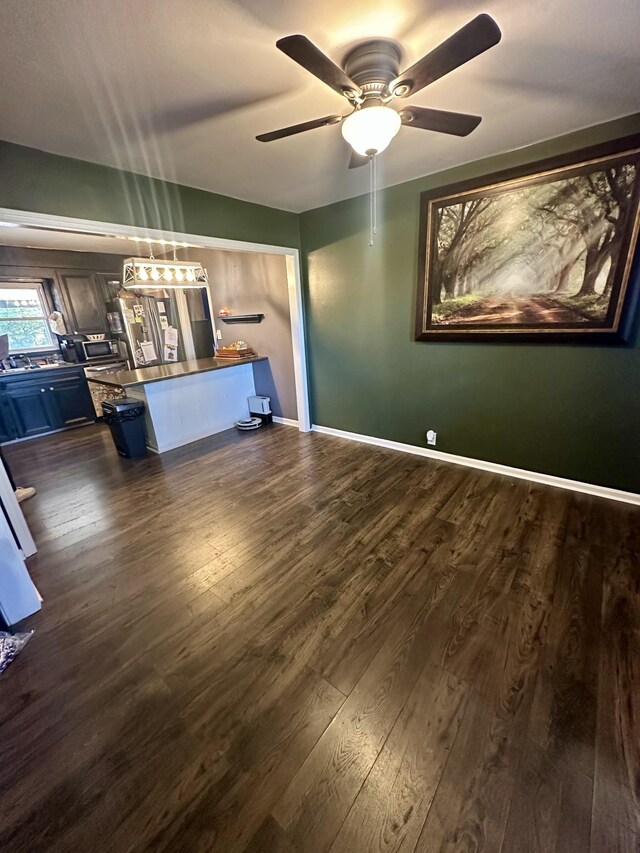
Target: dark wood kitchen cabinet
{"type": "Point", "coordinates": [79, 283]}
{"type": "Point", "coordinates": [81, 302]}
{"type": "Point", "coordinates": [36, 403]}
{"type": "Point", "coordinates": [30, 408]}
{"type": "Point", "coordinates": [70, 400]}
{"type": "Point", "coordinates": [109, 285]}
{"type": "Point", "coordinates": [7, 431]}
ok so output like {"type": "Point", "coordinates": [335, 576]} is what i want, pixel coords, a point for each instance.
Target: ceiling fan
{"type": "Point", "coordinates": [371, 78]}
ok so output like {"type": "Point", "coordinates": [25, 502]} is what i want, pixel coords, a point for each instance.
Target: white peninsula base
{"type": "Point", "coordinates": [187, 408]}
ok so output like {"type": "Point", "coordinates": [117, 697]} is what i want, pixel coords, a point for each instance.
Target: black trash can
{"type": "Point", "coordinates": [126, 421]}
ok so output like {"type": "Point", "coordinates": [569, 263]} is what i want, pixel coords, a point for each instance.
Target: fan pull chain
{"type": "Point", "coordinates": [372, 198]}
{"type": "Point", "coordinates": [375, 194]}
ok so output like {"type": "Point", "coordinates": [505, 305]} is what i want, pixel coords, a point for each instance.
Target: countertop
{"type": "Point", "coordinates": [36, 371]}
{"type": "Point", "coordinates": [145, 375]}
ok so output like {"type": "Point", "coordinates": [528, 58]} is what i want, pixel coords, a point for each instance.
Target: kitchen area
{"type": "Point", "coordinates": [46, 316]}
{"type": "Point", "coordinates": [82, 327]}
{"type": "Point", "coordinates": [61, 329]}
{"type": "Point", "coordinates": [193, 340]}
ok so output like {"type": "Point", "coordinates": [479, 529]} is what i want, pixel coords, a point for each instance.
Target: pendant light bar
{"type": "Point", "coordinates": [152, 274]}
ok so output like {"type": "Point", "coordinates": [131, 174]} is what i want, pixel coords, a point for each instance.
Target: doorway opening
{"type": "Point", "coordinates": [243, 276]}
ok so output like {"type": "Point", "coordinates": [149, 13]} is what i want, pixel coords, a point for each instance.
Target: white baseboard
{"type": "Point", "coordinates": [165, 448]}
{"type": "Point", "coordinates": [493, 467]}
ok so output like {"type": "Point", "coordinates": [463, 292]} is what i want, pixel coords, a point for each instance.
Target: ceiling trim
{"type": "Point", "coordinates": [66, 223]}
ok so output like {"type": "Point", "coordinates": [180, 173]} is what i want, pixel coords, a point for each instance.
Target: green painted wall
{"type": "Point", "coordinates": [46, 183]}
{"type": "Point", "coordinates": [572, 411]}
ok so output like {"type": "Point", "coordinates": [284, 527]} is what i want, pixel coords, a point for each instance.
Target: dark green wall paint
{"type": "Point", "coordinates": [572, 411]}
{"type": "Point", "coordinates": [35, 181]}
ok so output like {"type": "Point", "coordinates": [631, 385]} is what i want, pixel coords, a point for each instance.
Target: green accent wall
{"type": "Point", "coordinates": [572, 411]}
{"type": "Point", "coordinates": [39, 182]}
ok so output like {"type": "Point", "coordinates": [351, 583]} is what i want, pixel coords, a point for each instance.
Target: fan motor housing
{"type": "Point", "coordinates": [373, 64]}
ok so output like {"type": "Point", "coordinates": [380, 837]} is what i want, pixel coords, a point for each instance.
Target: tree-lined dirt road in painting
{"type": "Point", "coordinates": [524, 311]}
{"type": "Point", "coordinates": [544, 254]}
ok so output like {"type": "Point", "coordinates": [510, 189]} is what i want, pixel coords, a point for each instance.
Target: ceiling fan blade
{"type": "Point", "coordinates": [305, 53]}
{"type": "Point", "coordinates": [357, 160]}
{"type": "Point", "coordinates": [298, 128]}
{"type": "Point", "coordinates": [457, 124]}
{"type": "Point", "coordinates": [473, 39]}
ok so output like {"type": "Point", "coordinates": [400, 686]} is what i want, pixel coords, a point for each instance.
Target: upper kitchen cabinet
{"type": "Point", "coordinates": [109, 285]}
{"type": "Point", "coordinates": [81, 301]}
{"type": "Point", "coordinates": [80, 283]}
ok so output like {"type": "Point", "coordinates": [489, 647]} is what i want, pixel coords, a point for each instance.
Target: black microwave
{"type": "Point", "coordinates": [96, 350]}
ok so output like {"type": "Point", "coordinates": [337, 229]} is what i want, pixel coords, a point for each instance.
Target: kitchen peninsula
{"type": "Point", "coordinates": [188, 400]}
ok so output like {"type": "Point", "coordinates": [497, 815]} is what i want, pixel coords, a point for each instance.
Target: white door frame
{"type": "Point", "coordinates": [294, 276]}
{"type": "Point", "coordinates": [9, 502]}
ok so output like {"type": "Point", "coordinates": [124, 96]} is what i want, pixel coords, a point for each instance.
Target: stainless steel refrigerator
{"type": "Point", "coordinates": [149, 326]}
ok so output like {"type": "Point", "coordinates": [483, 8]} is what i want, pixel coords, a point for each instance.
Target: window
{"type": "Point", "coordinates": [23, 316]}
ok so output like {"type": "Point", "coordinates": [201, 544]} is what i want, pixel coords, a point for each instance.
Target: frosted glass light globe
{"type": "Point", "coordinates": [369, 130]}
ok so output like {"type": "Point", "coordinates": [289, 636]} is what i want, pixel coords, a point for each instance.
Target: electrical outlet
{"type": "Point", "coordinates": [218, 334]}
{"type": "Point", "coordinates": [432, 436]}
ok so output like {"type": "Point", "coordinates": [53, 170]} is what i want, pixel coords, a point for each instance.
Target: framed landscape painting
{"type": "Point", "coordinates": [540, 253]}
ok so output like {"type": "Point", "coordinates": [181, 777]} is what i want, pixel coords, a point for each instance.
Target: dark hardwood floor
{"type": "Point", "coordinates": [281, 643]}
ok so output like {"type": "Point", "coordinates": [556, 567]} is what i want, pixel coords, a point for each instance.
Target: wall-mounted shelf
{"type": "Point", "coordinates": [241, 318]}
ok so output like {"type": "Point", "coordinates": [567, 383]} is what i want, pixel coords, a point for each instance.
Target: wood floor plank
{"type": "Point", "coordinates": [534, 814]}
{"type": "Point", "coordinates": [617, 759]}
{"type": "Point", "coordinates": [608, 836]}
{"type": "Point", "coordinates": [574, 826]}
{"type": "Point", "coordinates": [320, 795]}
{"type": "Point", "coordinates": [122, 739]}
{"type": "Point", "coordinates": [270, 837]}
{"type": "Point", "coordinates": [344, 659]}
{"type": "Point", "coordinates": [392, 805]}
{"type": "Point", "coordinates": [364, 651]}
{"type": "Point", "coordinates": [551, 806]}
{"type": "Point", "coordinates": [223, 812]}
{"type": "Point", "coordinates": [471, 805]}
{"type": "Point", "coordinates": [563, 716]}
{"type": "Point", "coordinates": [472, 802]}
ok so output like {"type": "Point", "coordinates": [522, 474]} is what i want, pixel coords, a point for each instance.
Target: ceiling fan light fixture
{"type": "Point", "coordinates": [369, 130]}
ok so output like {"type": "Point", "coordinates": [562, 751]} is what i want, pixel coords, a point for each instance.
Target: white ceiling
{"type": "Point", "coordinates": [178, 89]}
